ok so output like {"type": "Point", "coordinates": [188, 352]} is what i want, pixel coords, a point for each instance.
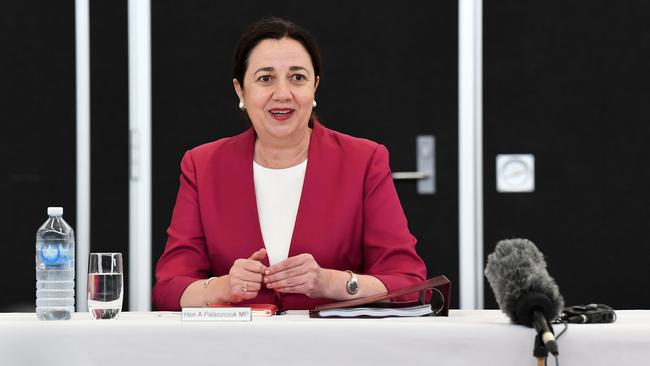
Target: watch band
{"type": "Point", "coordinates": [352, 286]}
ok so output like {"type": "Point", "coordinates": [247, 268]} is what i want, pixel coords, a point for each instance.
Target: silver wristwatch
{"type": "Point", "coordinates": [352, 286]}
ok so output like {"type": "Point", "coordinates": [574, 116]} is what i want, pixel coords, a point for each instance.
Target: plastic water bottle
{"type": "Point", "coordinates": [55, 268]}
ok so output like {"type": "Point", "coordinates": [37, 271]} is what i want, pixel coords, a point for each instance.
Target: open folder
{"type": "Point", "coordinates": [433, 300]}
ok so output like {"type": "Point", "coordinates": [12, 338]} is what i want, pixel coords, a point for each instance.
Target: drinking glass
{"type": "Point", "coordinates": [105, 285]}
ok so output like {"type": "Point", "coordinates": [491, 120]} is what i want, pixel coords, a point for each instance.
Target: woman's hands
{"type": "Point", "coordinates": [300, 274]}
{"type": "Point", "coordinates": [245, 278]}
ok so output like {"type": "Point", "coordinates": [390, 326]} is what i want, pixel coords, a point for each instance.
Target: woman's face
{"type": "Point", "coordinates": [279, 87]}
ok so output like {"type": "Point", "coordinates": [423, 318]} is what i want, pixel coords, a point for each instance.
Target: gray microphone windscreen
{"type": "Point", "coordinates": [517, 274]}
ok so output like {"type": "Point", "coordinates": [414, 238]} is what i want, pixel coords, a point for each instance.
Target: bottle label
{"type": "Point", "coordinates": [54, 254]}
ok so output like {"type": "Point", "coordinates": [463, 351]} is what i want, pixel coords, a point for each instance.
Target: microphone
{"type": "Point", "coordinates": [523, 288]}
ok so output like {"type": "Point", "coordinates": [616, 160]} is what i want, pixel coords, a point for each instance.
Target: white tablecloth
{"type": "Point", "coordinates": [480, 337]}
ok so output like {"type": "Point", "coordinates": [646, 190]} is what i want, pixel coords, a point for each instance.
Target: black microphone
{"type": "Point", "coordinates": [523, 288]}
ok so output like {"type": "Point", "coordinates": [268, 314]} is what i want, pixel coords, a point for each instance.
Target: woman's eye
{"type": "Point", "coordinates": [264, 78]}
{"type": "Point", "coordinates": [298, 77]}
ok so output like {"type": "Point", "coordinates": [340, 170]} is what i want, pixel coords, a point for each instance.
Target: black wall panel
{"type": "Point", "coordinates": [390, 73]}
{"type": "Point", "coordinates": [568, 82]}
{"type": "Point", "coordinates": [37, 134]}
{"type": "Point", "coordinates": [109, 108]}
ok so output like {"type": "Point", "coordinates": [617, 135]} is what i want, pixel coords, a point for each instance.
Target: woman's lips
{"type": "Point", "coordinates": [281, 114]}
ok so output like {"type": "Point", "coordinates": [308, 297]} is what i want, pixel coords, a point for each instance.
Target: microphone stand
{"type": "Point", "coordinates": [539, 350]}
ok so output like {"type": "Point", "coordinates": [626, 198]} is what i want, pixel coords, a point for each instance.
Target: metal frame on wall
{"type": "Point", "coordinates": [470, 153]}
{"type": "Point", "coordinates": [82, 59]}
{"type": "Point", "coordinates": [139, 15]}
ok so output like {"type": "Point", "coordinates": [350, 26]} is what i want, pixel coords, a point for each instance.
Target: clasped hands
{"type": "Point", "coordinates": [299, 274]}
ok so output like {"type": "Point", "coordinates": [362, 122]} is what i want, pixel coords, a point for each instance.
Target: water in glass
{"type": "Point", "coordinates": [105, 292]}
{"type": "Point", "coordinates": [105, 285]}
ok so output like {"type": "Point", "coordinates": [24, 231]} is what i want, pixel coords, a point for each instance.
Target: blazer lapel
{"type": "Point", "coordinates": [248, 200]}
{"type": "Point", "coordinates": [305, 219]}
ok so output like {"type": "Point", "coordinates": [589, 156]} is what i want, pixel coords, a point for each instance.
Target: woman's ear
{"type": "Point", "coordinates": [316, 84]}
{"type": "Point", "coordinates": [238, 89]}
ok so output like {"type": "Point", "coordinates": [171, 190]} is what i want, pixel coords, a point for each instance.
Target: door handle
{"type": "Point", "coordinates": [411, 175]}
{"type": "Point", "coordinates": [425, 158]}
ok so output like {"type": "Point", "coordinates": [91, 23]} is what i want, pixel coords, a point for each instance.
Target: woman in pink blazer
{"type": "Point", "coordinates": [288, 209]}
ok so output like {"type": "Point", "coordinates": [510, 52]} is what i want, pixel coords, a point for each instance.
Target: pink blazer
{"type": "Point", "coordinates": [349, 216]}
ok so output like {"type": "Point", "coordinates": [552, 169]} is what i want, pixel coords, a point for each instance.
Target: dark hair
{"type": "Point", "coordinates": [272, 28]}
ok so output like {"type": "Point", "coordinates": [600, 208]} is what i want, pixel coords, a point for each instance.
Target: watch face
{"type": "Point", "coordinates": [353, 287]}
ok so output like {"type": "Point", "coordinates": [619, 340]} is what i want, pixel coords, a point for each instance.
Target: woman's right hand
{"type": "Point", "coordinates": [245, 277]}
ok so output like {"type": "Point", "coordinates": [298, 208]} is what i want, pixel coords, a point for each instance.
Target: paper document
{"type": "Point", "coordinates": [419, 310]}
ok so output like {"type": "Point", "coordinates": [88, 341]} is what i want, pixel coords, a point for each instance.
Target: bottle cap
{"type": "Point", "coordinates": [55, 211]}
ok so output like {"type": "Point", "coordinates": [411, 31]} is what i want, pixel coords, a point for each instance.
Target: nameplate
{"type": "Point", "coordinates": [221, 314]}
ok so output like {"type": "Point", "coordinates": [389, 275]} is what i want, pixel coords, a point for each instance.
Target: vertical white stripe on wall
{"type": "Point", "coordinates": [82, 65]}
{"type": "Point", "coordinates": [140, 155]}
{"type": "Point", "coordinates": [470, 153]}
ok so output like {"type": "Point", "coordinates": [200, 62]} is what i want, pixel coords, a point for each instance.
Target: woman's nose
{"type": "Point", "coordinates": [282, 91]}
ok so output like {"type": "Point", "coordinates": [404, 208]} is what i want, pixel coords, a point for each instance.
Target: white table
{"type": "Point", "coordinates": [480, 337]}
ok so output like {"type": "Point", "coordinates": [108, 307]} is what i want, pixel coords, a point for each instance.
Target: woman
{"type": "Point", "coordinates": [288, 207]}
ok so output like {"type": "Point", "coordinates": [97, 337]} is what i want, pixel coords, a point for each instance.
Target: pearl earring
{"type": "Point", "coordinates": [314, 103]}
{"type": "Point", "coordinates": [241, 105]}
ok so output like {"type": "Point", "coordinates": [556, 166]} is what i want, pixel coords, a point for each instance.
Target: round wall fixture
{"type": "Point", "coordinates": [515, 173]}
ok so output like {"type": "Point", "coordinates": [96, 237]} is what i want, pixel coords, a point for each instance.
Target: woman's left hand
{"type": "Point", "coordinates": [300, 274]}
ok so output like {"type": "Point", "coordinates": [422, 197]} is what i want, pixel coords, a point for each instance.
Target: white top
{"type": "Point", "coordinates": [277, 192]}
